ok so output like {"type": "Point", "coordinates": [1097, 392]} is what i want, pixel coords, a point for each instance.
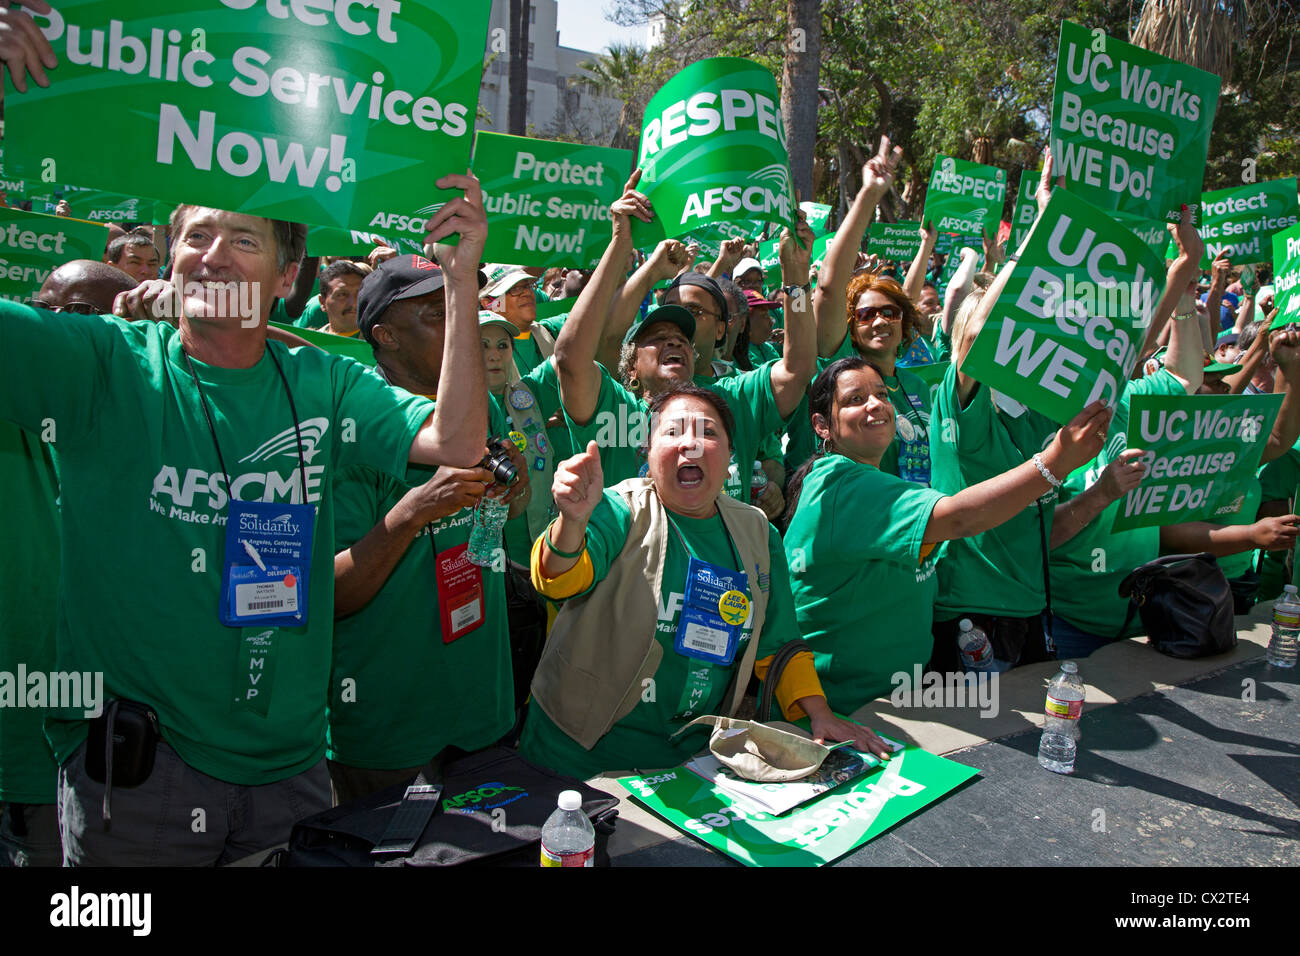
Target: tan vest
{"type": "Point", "coordinates": [603, 644]}
{"type": "Point", "coordinates": [544, 339]}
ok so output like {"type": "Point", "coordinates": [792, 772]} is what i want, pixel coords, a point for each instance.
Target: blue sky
{"type": "Point", "coordinates": [583, 25]}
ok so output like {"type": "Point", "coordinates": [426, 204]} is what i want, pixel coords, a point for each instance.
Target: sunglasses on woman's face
{"type": "Point", "coordinates": [868, 313]}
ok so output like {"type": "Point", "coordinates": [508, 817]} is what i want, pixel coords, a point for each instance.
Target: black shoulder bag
{"type": "Point", "coordinates": [1185, 603]}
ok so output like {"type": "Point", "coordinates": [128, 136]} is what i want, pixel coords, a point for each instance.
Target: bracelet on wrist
{"type": "Point", "coordinates": [1047, 475]}
{"type": "Point", "coordinates": [568, 555]}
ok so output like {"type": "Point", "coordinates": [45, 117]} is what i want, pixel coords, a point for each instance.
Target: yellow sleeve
{"type": "Point", "coordinates": [798, 680]}
{"type": "Point", "coordinates": [573, 581]}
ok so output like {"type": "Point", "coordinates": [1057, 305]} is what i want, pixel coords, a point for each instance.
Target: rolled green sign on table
{"type": "Point", "coordinates": [32, 245]}
{"type": "Point", "coordinates": [330, 115]}
{"type": "Point", "coordinates": [814, 834]}
{"type": "Point", "coordinates": [1066, 329]}
{"type": "Point", "coordinates": [965, 197]}
{"type": "Point", "coordinates": [1201, 452]}
{"type": "Point", "coordinates": [713, 150]}
{"type": "Point", "coordinates": [1241, 222]}
{"type": "Point", "coordinates": [547, 202]}
{"type": "Point", "coordinates": [1130, 128]}
{"type": "Point", "coordinates": [1286, 277]}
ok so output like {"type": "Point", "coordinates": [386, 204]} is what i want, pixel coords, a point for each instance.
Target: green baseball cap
{"type": "Point", "coordinates": [486, 318]}
{"type": "Point", "coordinates": [675, 314]}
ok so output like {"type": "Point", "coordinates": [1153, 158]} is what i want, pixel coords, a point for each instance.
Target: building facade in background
{"type": "Point", "coordinates": [561, 103]}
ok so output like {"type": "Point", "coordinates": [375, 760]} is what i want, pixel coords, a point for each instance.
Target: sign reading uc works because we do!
{"type": "Point", "coordinates": [331, 112]}
{"type": "Point", "coordinates": [713, 150]}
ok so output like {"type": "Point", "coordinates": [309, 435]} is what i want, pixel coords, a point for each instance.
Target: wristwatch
{"type": "Point", "coordinates": [793, 290]}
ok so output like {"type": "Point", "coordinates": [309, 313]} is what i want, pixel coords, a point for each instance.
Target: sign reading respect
{"type": "Point", "coordinates": [32, 245]}
{"type": "Point", "coordinates": [1130, 128]}
{"type": "Point", "coordinates": [1200, 452]}
{"type": "Point", "coordinates": [330, 112]}
{"type": "Point", "coordinates": [1066, 329]}
{"type": "Point", "coordinates": [548, 203]}
{"type": "Point", "coordinates": [965, 197]}
{"type": "Point", "coordinates": [713, 150]}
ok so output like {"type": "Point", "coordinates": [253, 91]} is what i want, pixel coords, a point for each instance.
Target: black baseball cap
{"type": "Point", "coordinates": [706, 283]}
{"type": "Point", "coordinates": [675, 314]}
{"type": "Point", "coordinates": [406, 276]}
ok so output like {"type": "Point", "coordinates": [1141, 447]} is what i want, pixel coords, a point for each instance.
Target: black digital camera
{"type": "Point", "coordinates": [498, 462]}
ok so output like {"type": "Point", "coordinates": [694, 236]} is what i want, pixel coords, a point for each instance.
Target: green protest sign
{"type": "Point", "coordinates": [899, 241]}
{"type": "Point", "coordinates": [1130, 128]}
{"type": "Point", "coordinates": [353, 348]}
{"type": "Point", "coordinates": [931, 374]}
{"type": "Point", "coordinates": [94, 205]}
{"type": "Point", "coordinates": [818, 214]}
{"type": "Point", "coordinates": [1066, 329]}
{"type": "Point", "coordinates": [548, 203]}
{"type": "Point", "coordinates": [1286, 277]}
{"type": "Point", "coordinates": [1200, 452]}
{"type": "Point", "coordinates": [337, 114]}
{"type": "Point", "coordinates": [814, 834]}
{"type": "Point", "coordinates": [327, 241]}
{"type": "Point", "coordinates": [1022, 218]}
{"type": "Point", "coordinates": [32, 245]}
{"type": "Point", "coordinates": [713, 150]}
{"type": "Point", "coordinates": [965, 197]}
{"type": "Point", "coordinates": [769, 257]}
{"type": "Point", "coordinates": [1153, 232]}
{"type": "Point", "coordinates": [547, 310]}
{"type": "Point", "coordinates": [710, 237]}
{"type": "Point", "coordinates": [14, 188]}
{"type": "Point", "coordinates": [1241, 222]}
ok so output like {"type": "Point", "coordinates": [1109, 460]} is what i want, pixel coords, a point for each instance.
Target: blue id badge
{"type": "Point", "coordinates": [716, 605]}
{"type": "Point", "coordinates": [267, 564]}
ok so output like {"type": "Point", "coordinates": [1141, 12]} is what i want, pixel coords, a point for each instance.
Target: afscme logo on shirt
{"type": "Point", "coordinates": [286, 443]}
{"type": "Point", "coordinates": [196, 488]}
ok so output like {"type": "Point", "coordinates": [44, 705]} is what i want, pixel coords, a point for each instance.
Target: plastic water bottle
{"type": "Point", "coordinates": [485, 535]}
{"type": "Point", "coordinates": [1286, 628]}
{"type": "Point", "coordinates": [757, 481]}
{"type": "Point", "coordinates": [1065, 694]}
{"type": "Point", "coordinates": [976, 651]}
{"type": "Point", "coordinates": [568, 838]}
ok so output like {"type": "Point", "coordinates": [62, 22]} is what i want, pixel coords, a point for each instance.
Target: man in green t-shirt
{"type": "Point", "coordinates": [511, 291]}
{"type": "Point", "coordinates": [29, 580]}
{"type": "Point", "coordinates": [339, 284]}
{"type": "Point", "coordinates": [158, 429]}
{"type": "Point", "coordinates": [442, 676]}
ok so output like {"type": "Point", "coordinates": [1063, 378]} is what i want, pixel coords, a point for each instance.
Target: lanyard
{"type": "Point", "coordinates": [731, 544]}
{"type": "Point", "coordinates": [911, 406]}
{"type": "Point", "coordinates": [207, 415]}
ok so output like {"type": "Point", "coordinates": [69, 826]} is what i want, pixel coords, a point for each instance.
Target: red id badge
{"type": "Point", "coordinates": [460, 593]}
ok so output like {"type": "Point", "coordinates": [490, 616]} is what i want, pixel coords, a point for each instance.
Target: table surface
{"type": "Point", "coordinates": [1198, 774]}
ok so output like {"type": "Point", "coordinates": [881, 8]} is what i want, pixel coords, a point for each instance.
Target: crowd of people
{"type": "Point", "coordinates": [707, 467]}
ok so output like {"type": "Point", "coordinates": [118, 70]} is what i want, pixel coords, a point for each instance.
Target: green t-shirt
{"type": "Point", "coordinates": [941, 344]}
{"type": "Point", "coordinates": [1235, 565]}
{"type": "Point", "coordinates": [527, 355]}
{"type": "Point", "coordinates": [761, 353]}
{"type": "Point", "coordinates": [29, 587]}
{"type": "Point", "coordinates": [862, 592]}
{"type": "Point", "coordinates": [641, 739]}
{"type": "Point", "coordinates": [144, 505]}
{"type": "Point", "coordinates": [998, 572]}
{"type": "Point", "coordinates": [313, 314]}
{"type": "Point", "coordinates": [398, 694]}
{"type": "Point", "coordinates": [1087, 569]}
{"type": "Point", "coordinates": [620, 427]}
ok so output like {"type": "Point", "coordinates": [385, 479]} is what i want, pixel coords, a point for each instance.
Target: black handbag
{"type": "Point", "coordinates": [490, 812]}
{"type": "Point", "coordinates": [1185, 603]}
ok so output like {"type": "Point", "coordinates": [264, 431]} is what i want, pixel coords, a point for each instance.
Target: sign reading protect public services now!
{"type": "Point", "coordinates": [1067, 327]}
{"type": "Point", "coordinates": [33, 245]}
{"type": "Point", "coordinates": [899, 241]}
{"type": "Point", "coordinates": [1200, 451]}
{"type": "Point", "coordinates": [1130, 128]}
{"type": "Point", "coordinates": [548, 203]}
{"type": "Point", "coordinates": [713, 150]}
{"type": "Point", "coordinates": [965, 197]}
{"type": "Point", "coordinates": [1286, 277]}
{"type": "Point", "coordinates": [1241, 222]}
{"type": "Point", "coordinates": [329, 112]}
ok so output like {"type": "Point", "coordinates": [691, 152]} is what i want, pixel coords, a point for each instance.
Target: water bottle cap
{"type": "Point", "coordinates": [1070, 667]}
{"type": "Point", "coordinates": [1291, 589]}
{"type": "Point", "coordinates": [570, 800]}
{"type": "Point", "coordinates": [964, 624]}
